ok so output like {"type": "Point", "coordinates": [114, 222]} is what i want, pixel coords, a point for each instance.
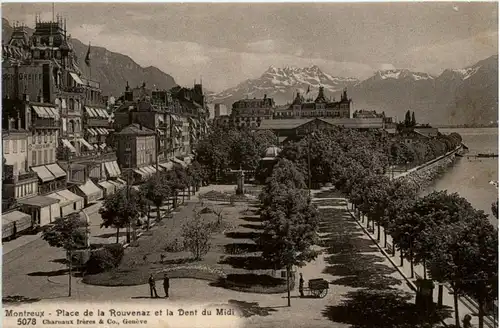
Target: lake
{"type": "Point", "coordinates": [470, 177]}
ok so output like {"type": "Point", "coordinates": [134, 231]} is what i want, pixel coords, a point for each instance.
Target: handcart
{"type": "Point", "coordinates": [317, 287]}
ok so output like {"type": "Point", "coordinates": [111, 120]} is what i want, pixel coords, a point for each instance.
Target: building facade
{"type": "Point", "coordinates": [321, 107]}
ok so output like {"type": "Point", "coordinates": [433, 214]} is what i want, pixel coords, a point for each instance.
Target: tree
{"type": "Point", "coordinates": [290, 224]}
{"type": "Point", "coordinates": [122, 208]}
{"type": "Point", "coordinates": [465, 254]}
{"type": "Point", "coordinates": [196, 234]}
{"type": "Point", "coordinates": [494, 209]}
{"type": "Point", "coordinates": [407, 119]}
{"type": "Point", "coordinates": [69, 233]}
{"type": "Point", "coordinates": [413, 120]}
{"type": "Point", "coordinates": [156, 190]}
{"type": "Point", "coordinates": [284, 176]}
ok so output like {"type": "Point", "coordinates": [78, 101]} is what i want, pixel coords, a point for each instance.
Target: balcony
{"type": "Point", "coordinates": [45, 123]}
{"type": "Point", "coordinates": [20, 178]}
{"type": "Point", "coordinates": [100, 122]}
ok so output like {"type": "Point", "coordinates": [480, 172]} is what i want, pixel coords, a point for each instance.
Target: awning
{"type": "Point", "coordinates": [110, 188]}
{"type": "Point", "coordinates": [22, 220]}
{"type": "Point", "coordinates": [53, 111]}
{"type": "Point", "coordinates": [141, 173]}
{"type": "Point", "coordinates": [151, 169]}
{"type": "Point", "coordinates": [56, 170]}
{"type": "Point", "coordinates": [102, 112]}
{"type": "Point", "coordinates": [178, 161]}
{"type": "Point", "coordinates": [76, 78]}
{"type": "Point", "coordinates": [38, 201]}
{"type": "Point", "coordinates": [42, 112]}
{"type": "Point", "coordinates": [116, 167]}
{"type": "Point", "coordinates": [43, 173]}
{"type": "Point", "coordinates": [63, 201]}
{"type": "Point", "coordinates": [86, 144]}
{"type": "Point", "coordinates": [160, 132]}
{"type": "Point", "coordinates": [90, 111]}
{"type": "Point", "coordinates": [105, 131]}
{"type": "Point", "coordinates": [92, 131]}
{"type": "Point", "coordinates": [69, 195]}
{"type": "Point", "coordinates": [103, 146]}
{"type": "Point", "coordinates": [177, 141]}
{"type": "Point", "coordinates": [177, 129]}
{"type": "Point", "coordinates": [167, 166]}
{"type": "Point", "coordinates": [121, 181]}
{"type": "Point", "coordinates": [111, 169]}
{"type": "Point", "coordinates": [68, 145]}
{"type": "Point", "coordinates": [117, 184]}
{"type": "Point", "coordinates": [90, 190]}
{"type": "Point", "coordinates": [160, 118]}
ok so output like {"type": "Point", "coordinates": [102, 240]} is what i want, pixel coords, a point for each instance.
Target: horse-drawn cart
{"type": "Point", "coordinates": [318, 287]}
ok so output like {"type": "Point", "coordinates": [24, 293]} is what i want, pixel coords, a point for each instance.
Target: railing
{"type": "Point", "coordinates": [20, 178]}
{"type": "Point", "coordinates": [45, 123]}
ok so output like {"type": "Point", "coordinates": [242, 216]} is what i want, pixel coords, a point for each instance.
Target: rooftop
{"type": "Point", "coordinates": [136, 129]}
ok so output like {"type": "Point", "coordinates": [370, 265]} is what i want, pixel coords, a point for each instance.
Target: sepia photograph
{"type": "Point", "coordinates": [260, 165]}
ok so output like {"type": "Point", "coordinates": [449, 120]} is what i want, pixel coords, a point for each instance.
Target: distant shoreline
{"type": "Point", "coordinates": [467, 126]}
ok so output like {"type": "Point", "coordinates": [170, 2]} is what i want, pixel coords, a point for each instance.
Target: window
{"type": "Point", "coordinates": [71, 104]}
{"type": "Point", "coordinates": [40, 156]}
{"type": "Point", "coordinates": [51, 156]}
{"type": "Point", "coordinates": [45, 137]}
{"type": "Point", "coordinates": [33, 158]}
{"type": "Point", "coordinates": [14, 146]}
{"type": "Point", "coordinates": [6, 146]}
{"type": "Point", "coordinates": [45, 156]}
{"type": "Point", "coordinates": [39, 137]}
{"type": "Point", "coordinates": [23, 146]}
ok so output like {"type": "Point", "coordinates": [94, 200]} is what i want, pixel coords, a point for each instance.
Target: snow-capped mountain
{"type": "Point", "coordinates": [282, 83]}
{"type": "Point", "coordinates": [456, 96]}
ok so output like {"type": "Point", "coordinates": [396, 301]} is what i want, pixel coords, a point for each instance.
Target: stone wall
{"type": "Point", "coordinates": [424, 175]}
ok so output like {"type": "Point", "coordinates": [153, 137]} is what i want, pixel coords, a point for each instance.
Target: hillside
{"type": "Point", "coordinates": [112, 69]}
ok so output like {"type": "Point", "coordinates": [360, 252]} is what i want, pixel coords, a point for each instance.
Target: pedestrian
{"type": "Point", "coordinates": [152, 286]}
{"type": "Point", "coordinates": [301, 286]}
{"type": "Point", "coordinates": [166, 284]}
{"type": "Point", "coordinates": [467, 321]}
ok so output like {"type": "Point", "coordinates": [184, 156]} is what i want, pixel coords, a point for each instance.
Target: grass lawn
{"type": "Point", "coordinates": [233, 251]}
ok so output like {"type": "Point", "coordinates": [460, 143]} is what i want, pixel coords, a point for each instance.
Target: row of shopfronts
{"type": "Point", "coordinates": [59, 198]}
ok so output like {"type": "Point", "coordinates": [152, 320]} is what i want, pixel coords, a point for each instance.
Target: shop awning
{"type": "Point", "coordinates": [116, 167]}
{"type": "Point", "coordinates": [56, 170]}
{"type": "Point", "coordinates": [92, 131]}
{"type": "Point", "coordinates": [121, 181]}
{"type": "Point", "coordinates": [111, 169]}
{"type": "Point", "coordinates": [53, 111]}
{"type": "Point", "coordinates": [167, 166]}
{"type": "Point", "coordinates": [22, 220]}
{"type": "Point", "coordinates": [38, 201]}
{"type": "Point", "coordinates": [103, 146]}
{"type": "Point", "coordinates": [117, 184]}
{"type": "Point", "coordinates": [69, 195]}
{"type": "Point", "coordinates": [177, 129]}
{"type": "Point", "coordinates": [63, 201]}
{"type": "Point", "coordinates": [160, 132]}
{"type": "Point", "coordinates": [43, 112]}
{"type": "Point", "coordinates": [105, 131]}
{"type": "Point", "coordinates": [86, 144]}
{"type": "Point", "coordinates": [177, 141]}
{"type": "Point", "coordinates": [102, 112]}
{"type": "Point", "coordinates": [43, 173]}
{"type": "Point", "coordinates": [178, 161]}
{"type": "Point", "coordinates": [90, 111]}
{"type": "Point", "coordinates": [141, 173]}
{"type": "Point", "coordinates": [76, 78]}
{"type": "Point", "coordinates": [151, 169]}
{"type": "Point", "coordinates": [110, 188]}
{"type": "Point", "coordinates": [91, 191]}
{"type": "Point", "coordinates": [68, 145]}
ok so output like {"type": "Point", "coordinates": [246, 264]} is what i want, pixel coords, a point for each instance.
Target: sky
{"type": "Point", "coordinates": [225, 44]}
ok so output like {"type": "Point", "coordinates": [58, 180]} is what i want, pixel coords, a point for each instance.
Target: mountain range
{"type": "Point", "coordinates": [111, 69]}
{"type": "Point", "coordinates": [459, 96]}
{"type": "Point", "coordinates": [463, 96]}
